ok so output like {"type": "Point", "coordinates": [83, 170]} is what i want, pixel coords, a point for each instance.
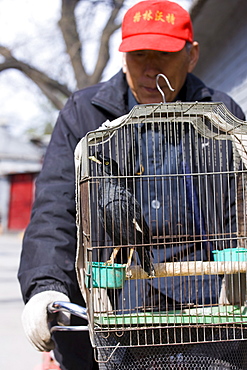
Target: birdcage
{"type": "Point", "coordinates": [163, 268]}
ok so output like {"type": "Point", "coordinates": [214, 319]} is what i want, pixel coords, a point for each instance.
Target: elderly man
{"type": "Point", "coordinates": [157, 38]}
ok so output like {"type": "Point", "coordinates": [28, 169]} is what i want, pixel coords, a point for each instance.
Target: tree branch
{"type": "Point", "coordinates": [104, 55]}
{"type": "Point", "coordinates": [67, 24]}
{"type": "Point", "coordinates": [50, 87]}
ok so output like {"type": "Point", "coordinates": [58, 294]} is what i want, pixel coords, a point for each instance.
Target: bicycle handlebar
{"type": "Point", "coordinates": [73, 309]}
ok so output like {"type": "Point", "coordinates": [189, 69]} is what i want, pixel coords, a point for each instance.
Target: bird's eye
{"type": "Point", "coordinates": [107, 163]}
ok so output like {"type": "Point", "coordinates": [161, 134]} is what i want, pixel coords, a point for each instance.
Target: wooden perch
{"type": "Point", "coordinates": [189, 268]}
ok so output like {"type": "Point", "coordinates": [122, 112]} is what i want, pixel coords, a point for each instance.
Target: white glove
{"type": "Point", "coordinates": [35, 319]}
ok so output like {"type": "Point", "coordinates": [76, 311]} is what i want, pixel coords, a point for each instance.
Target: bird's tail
{"type": "Point", "coordinates": [147, 261]}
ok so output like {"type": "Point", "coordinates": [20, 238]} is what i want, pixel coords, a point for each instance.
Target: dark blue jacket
{"type": "Point", "coordinates": [49, 245]}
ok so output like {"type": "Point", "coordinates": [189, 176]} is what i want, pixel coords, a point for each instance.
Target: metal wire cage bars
{"type": "Point", "coordinates": [181, 169]}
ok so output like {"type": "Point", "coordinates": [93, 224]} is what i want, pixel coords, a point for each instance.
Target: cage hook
{"type": "Point", "coordinates": [159, 88]}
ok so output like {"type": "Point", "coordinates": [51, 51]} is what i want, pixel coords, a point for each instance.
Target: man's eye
{"type": "Point", "coordinates": [164, 53]}
{"type": "Point", "coordinates": [138, 53]}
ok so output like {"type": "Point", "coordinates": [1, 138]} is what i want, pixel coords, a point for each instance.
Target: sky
{"type": "Point", "coordinates": [30, 27]}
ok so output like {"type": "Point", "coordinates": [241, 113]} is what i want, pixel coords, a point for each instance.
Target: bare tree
{"type": "Point", "coordinates": [55, 91]}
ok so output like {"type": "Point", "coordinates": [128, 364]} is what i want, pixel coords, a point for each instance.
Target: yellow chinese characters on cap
{"type": "Point", "coordinates": [158, 16]}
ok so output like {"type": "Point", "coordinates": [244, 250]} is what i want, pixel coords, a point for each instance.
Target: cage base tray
{"type": "Point", "coordinates": [191, 316]}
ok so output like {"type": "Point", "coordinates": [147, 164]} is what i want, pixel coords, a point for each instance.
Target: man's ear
{"type": "Point", "coordinates": [194, 56]}
{"type": "Point", "coordinates": [124, 66]}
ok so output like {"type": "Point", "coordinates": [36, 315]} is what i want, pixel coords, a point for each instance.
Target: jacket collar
{"type": "Point", "coordinates": [194, 90]}
{"type": "Point", "coordinates": [113, 95]}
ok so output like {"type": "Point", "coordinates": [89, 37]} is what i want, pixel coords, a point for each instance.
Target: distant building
{"type": "Point", "coordinates": [20, 162]}
{"type": "Point", "coordinates": [220, 27]}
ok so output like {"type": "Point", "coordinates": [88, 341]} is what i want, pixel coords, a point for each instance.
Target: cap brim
{"type": "Point", "coordinates": [152, 42]}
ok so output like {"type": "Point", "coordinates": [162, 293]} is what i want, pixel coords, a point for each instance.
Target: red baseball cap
{"type": "Point", "coordinates": [156, 25]}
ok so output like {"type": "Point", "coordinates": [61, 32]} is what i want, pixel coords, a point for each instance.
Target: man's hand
{"type": "Point", "coordinates": [35, 319]}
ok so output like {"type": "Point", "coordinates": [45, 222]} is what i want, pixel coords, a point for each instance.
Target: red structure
{"type": "Point", "coordinates": [21, 199]}
{"type": "Point", "coordinates": [20, 162]}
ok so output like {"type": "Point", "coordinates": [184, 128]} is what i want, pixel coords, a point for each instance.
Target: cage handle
{"type": "Point", "coordinates": [159, 88]}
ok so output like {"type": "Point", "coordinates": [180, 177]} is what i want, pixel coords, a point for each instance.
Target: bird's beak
{"type": "Point", "coordinates": [93, 158]}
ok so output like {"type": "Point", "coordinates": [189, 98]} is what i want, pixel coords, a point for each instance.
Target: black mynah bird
{"type": "Point", "coordinates": [121, 215]}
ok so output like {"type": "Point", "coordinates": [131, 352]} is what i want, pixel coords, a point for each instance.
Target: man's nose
{"type": "Point", "coordinates": [152, 67]}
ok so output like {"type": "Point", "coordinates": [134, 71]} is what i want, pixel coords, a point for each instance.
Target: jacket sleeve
{"type": "Point", "coordinates": [49, 244]}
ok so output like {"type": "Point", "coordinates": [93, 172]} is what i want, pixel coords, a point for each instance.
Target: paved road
{"type": "Point", "coordinates": [16, 353]}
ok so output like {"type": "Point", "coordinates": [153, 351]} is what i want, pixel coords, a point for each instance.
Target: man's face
{"type": "Point", "coordinates": [142, 67]}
